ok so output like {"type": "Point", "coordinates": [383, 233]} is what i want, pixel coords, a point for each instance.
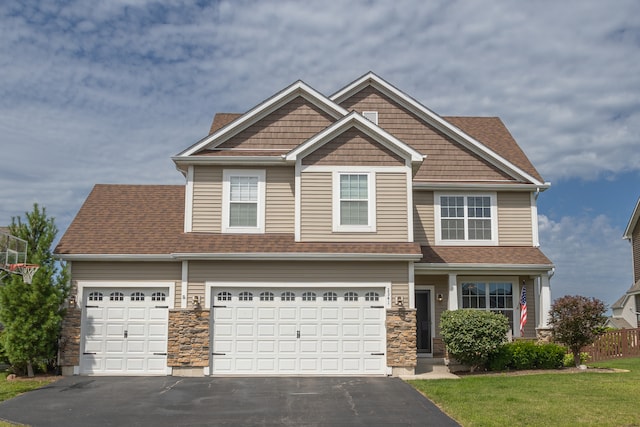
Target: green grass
{"type": "Point", "coordinates": [9, 389]}
{"type": "Point", "coordinates": [553, 399]}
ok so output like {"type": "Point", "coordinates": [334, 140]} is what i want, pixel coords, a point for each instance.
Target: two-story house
{"type": "Point", "coordinates": [625, 311]}
{"type": "Point", "coordinates": [314, 235]}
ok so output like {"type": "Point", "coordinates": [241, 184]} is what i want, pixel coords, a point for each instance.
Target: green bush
{"type": "Point", "coordinates": [523, 354]}
{"type": "Point", "coordinates": [569, 361]}
{"type": "Point", "coordinates": [472, 335]}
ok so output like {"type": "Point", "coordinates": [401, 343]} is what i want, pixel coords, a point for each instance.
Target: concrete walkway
{"type": "Point", "coordinates": [431, 369]}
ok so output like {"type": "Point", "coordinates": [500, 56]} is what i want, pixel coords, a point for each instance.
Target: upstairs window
{"type": "Point", "coordinates": [243, 201]}
{"type": "Point", "coordinates": [354, 202]}
{"type": "Point", "coordinates": [466, 219]}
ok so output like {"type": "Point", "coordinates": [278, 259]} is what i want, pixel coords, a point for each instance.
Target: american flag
{"type": "Point", "coordinates": [523, 309]}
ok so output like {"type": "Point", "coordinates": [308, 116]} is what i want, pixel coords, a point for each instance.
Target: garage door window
{"type": "Point", "coordinates": [330, 296]}
{"type": "Point", "coordinates": [95, 296]}
{"type": "Point", "coordinates": [116, 296]}
{"type": "Point", "coordinates": [371, 296]}
{"type": "Point", "coordinates": [137, 296]}
{"type": "Point", "coordinates": [158, 296]}
{"type": "Point", "coordinates": [224, 296]}
{"type": "Point", "coordinates": [309, 296]}
{"type": "Point", "coordinates": [245, 296]}
{"type": "Point", "coordinates": [288, 296]}
{"type": "Point", "coordinates": [351, 296]}
{"type": "Point", "coordinates": [266, 296]}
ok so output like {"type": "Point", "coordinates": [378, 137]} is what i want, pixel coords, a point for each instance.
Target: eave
{"type": "Point", "coordinates": [441, 268]}
{"type": "Point", "coordinates": [633, 221]}
{"type": "Point", "coordinates": [296, 256]}
{"type": "Point", "coordinates": [480, 186]}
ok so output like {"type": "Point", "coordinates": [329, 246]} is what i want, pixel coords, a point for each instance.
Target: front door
{"type": "Point", "coordinates": [423, 320]}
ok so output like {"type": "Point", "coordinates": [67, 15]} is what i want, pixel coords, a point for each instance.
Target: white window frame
{"type": "Point", "coordinates": [465, 242]}
{"type": "Point", "coordinates": [514, 328]}
{"type": "Point", "coordinates": [227, 174]}
{"type": "Point", "coordinates": [370, 227]}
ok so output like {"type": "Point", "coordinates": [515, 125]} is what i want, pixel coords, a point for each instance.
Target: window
{"type": "Point", "coordinates": [490, 296]}
{"type": "Point", "coordinates": [371, 296]}
{"type": "Point", "coordinates": [309, 296]}
{"type": "Point", "coordinates": [354, 202]}
{"type": "Point", "coordinates": [116, 296]}
{"type": "Point", "coordinates": [137, 296]}
{"type": "Point", "coordinates": [371, 116]}
{"type": "Point", "coordinates": [224, 296]}
{"type": "Point", "coordinates": [158, 296]}
{"type": "Point", "coordinates": [330, 296]}
{"type": "Point", "coordinates": [466, 219]}
{"type": "Point", "coordinates": [245, 296]}
{"type": "Point", "coordinates": [266, 296]}
{"type": "Point", "coordinates": [243, 193]}
{"type": "Point", "coordinates": [95, 296]}
{"type": "Point", "coordinates": [351, 296]}
{"type": "Point", "coordinates": [287, 296]}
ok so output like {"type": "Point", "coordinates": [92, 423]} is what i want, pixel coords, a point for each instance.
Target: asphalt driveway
{"type": "Point", "coordinates": [174, 401]}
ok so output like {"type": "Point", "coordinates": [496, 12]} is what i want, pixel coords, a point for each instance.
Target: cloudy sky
{"type": "Point", "coordinates": [107, 92]}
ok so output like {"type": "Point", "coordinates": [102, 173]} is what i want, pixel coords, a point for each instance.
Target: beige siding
{"type": "Point", "coordinates": [353, 148]}
{"type": "Point", "coordinates": [423, 219]}
{"type": "Point", "coordinates": [207, 199]}
{"type": "Point", "coordinates": [107, 272]}
{"type": "Point", "coordinates": [635, 248]}
{"type": "Point", "coordinates": [317, 213]}
{"type": "Point", "coordinates": [298, 273]}
{"type": "Point", "coordinates": [280, 208]}
{"type": "Point", "coordinates": [514, 219]}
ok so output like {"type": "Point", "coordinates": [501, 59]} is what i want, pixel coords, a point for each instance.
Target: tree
{"type": "Point", "coordinates": [32, 314]}
{"type": "Point", "coordinates": [577, 321]}
{"type": "Point", "coordinates": [471, 336]}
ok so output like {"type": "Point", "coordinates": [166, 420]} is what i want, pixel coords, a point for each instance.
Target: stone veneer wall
{"type": "Point", "coordinates": [188, 341]}
{"type": "Point", "coordinates": [544, 335]}
{"type": "Point", "coordinates": [439, 349]}
{"type": "Point", "coordinates": [401, 338]}
{"type": "Point", "coordinates": [70, 338]}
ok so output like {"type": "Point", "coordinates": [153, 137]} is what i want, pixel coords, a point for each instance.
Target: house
{"type": "Point", "coordinates": [625, 309]}
{"type": "Point", "coordinates": [314, 235]}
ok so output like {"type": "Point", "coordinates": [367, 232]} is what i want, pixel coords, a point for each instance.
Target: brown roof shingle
{"type": "Point", "coordinates": [148, 220]}
{"type": "Point", "coordinates": [516, 255]}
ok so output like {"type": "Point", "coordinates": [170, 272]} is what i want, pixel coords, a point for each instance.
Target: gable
{"type": "Point", "coordinates": [283, 129]}
{"type": "Point", "coordinates": [353, 147]}
{"type": "Point", "coordinates": [447, 159]}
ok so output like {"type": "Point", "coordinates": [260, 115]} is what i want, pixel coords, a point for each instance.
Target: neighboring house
{"type": "Point", "coordinates": [626, 309]}
{"type": "Point", "coordinates": [314, 235]}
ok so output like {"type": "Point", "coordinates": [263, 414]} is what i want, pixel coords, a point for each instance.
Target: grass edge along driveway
{"type": "Point", "coordinates": [571, 399]}
{"type": "Point", "coordinates": [10, 389]}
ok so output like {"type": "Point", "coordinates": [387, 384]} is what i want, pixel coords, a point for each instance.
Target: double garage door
{"type": "Point", "coordinates": [124, 331]}
{"type": "Point", "coordinates": [300, 331]}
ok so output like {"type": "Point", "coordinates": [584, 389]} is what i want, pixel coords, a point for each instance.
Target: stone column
{"type": "Point", "coordinates": [188, 342]}
{"type": "Point", "coordinates": [401, 341]}
{"type": "Point", "coordinates": [69, 346]}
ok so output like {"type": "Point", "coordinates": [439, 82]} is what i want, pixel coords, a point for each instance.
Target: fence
{"type": "Point", "coordinates": [615, 345]}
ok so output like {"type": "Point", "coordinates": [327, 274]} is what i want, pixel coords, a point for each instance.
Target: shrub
{"type": "Point", "coordinates": [526, 355]}
{"type": "Point", "coordinates": [472, 335]}
{"type": "Point", "coordinates": [569, 360]}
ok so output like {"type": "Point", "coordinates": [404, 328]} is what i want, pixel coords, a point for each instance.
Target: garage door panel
{"type": "Point", "coordinates": [123, 334]}
{"type": "Point", "coordinates": [293, 336]}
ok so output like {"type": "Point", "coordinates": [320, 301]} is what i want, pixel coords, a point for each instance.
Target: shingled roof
{"type": "Point", "coordinates": [507, 255]}
{"type": "Point", "coordinates": [149, 220]}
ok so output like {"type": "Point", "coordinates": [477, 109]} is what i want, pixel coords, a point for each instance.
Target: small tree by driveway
{"type": "Point", "coordinates": [577, 321]}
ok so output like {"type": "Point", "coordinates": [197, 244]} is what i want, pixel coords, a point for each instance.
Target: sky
{"type": "Point", "coordinates": [107, 92]}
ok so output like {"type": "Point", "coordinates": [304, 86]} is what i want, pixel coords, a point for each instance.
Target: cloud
{"type": "Point", "coordinates": [590, 255]}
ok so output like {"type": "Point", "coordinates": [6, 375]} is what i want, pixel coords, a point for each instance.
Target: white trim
{"type": "Point", "coordinates": [370, 79]}
{"type": "Point", "coordinates": [452, 300]}
{"type": "Point", "coordinates": [184, 288]}
{"type": "Point", "coordinates": [299, 256]}
{"type": "Point", "coordinates": [188, 201]}
{"type": "Point", "coordinates": [517, 269]}
{"type": "Point", "coordinates": [432, 311]}
{"type": "Point", "coordinates": [355, 169]}
{"type": "Point", "coordinates": [410, 225]}
{"type": "Point", "coordinates": [116, 257]}
{"type": "Point", "coordinates": [337, 227]}
{"type": "Point", "coordinates": [82, 284]}
{"type": "Point", "coordinates": [465, 185]}
{"type": "Point", "coordinates": [633, 220]}
{"type": "Point", "coordinates": [281, 98]}
{"type": "Point", "coordinates": [466, 241]}
{"type": "Point", "coordinates": [543, 304]}
{"type": "Point", "coordinates": [227, 174]}
{"type": "Point", "coordinates": [412, 287]}
{"type": "Point", "coordinates": [534, 221]}
{"type": "Point", "coordinates": [210, 284]}
{"type": "Point", "coordinates": [297, 204]}
{"type": "Point", "coordinates": [231, 160]}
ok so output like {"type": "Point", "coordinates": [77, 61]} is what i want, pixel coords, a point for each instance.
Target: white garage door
{"type": "Point", "coordinates": [330, 331]}
{"type": "Point", "coordinates": [125, 331]}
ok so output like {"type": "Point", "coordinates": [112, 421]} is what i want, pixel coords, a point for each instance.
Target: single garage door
{"type": "Point", "coordinates": [125, 331]}
{"type": "Point", "coordinates": [301, 331]}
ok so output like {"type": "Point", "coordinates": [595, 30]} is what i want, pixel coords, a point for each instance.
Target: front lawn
{"type": "Point", "coordinates": [545, 399]}
{"type": "Point", "coordinates": [9, 389]}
